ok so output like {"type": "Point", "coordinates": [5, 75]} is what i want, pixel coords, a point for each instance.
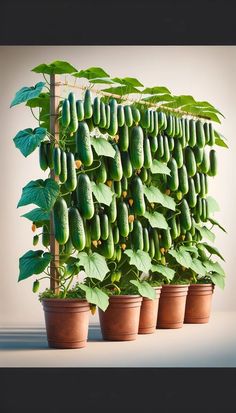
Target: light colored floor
{"type": "Point", "coordinates": [206, 345]}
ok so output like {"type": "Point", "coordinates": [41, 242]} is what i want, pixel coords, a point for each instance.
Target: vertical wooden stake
{"type": "Point", "coordinates": [54, 130]}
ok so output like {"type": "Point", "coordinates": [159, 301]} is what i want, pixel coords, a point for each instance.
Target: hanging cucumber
{"type": "Point", "coordinates": [108, 116]}
{"type": "Point", "coordinates": [96, 110]}
{"type": "Point", "coordinates": [204, 210]}
{"type": "Point", "coordinates": [120, 115]}
{"type": "Point", "coordinates": [155, 125]}
{"type": "Point", "coordinates": [126, 164]}
{"type": "Point", "coordinates": [162, 121]}
{"type": "Point", "coordinates": [205, 164]}
{"type": "Point", "coordinates": [198, 207]}
{"type": "Point", "coordinates": [166, 155]}
{"type": "Point", "coordinates": [111, 210]}
{"type": "Point", "coordinates": [160, 148]}
{"type": "Point", "coordinates": [211, 141]}
{"type": "Point", "coordinates": [166, 240]}
{"type": "Point", "coordinates": [153, 144]}
{"type": "Point", "coordinates": [202, 192]}
{"type": "Point", "coordinates": [95, 228]}
{"type": "Point", "coordinates": [65, 113]}
{"type": "Point", "coordinates": [173, 179]}
{"type": "Point", "coordinates": [145, 119]}
{"type": "Point", "coordinates": [138, 196]}
{"type": "Point", "coordinates": [201, 140]}
{"type": "Point", "coordinates": [73, 126]}
{"type": "Point", "coordinates": [198, 154]}
{"type": "Point", "coordinates": [104, 225]}
{"type": "Point", "coordinates": [123, 141]}
{"type": "Point", "coordinates": [115, 166]}
{"type": "Point", "coordinates": [146, 243]}
{"type": "Point", "coordinates": [136, 147]}
{"type": "Point", "coordinates": [80, 110]}
{"type": "Point", "coordinates": [155, 237]}
{"type": "Point", "coordinates": [103, 118]}
{"type": "Point", "coordinates": [187, 129]}
{"type": "Point", "coordinates": [87, 234]}
{"type": "Point", "coordinates": [177, 128]}
{"type": "Point", "coordinates": [57, 160]}
{"type": "Point", "coordinates": [107, 247]}
{"type": "Point", "coordinates": [147, 153]}
{"type": "Point", "coordinates": [136, 114]}
{"type": "Point", "coordinates": [63, 174]}
{"type": "Point", "coordinates": [118, 188]}
{"type": "Point", "coordinates": [151, 126]}
{"type": "Point", "coordinates": [197, 182]}
{"type": "Point", "coordinates": [190, 162]}
{"type": "Point", "coordinates": [76, 226]}
{"type": "Point", "coordinates": [45, 236]}
{"type": "Point", "coordinates": [88, 107]}
{"type": "Point", "coordinates": [151, 247]}
{"type": "Point", "coordinates": [43, 162]}
{"type": "Point", "coordinates": [173, 227]}
{"type": "Point", "coordinates": [182, 138]}
{"type": "Point", "coordinates": [116, 234]}
{"type": "Point", "coordinates": [128, 116]}
{"type": "Point", "coordinates": [178, 154]}
{"type": "Point", "coordinates": [113, 128]}
{"type": "Point", "coordinates": [169, 128]}
{"type": "Point", "coordinates": [49, 154]}
{"type": "Point", "coordinates": [171, 143]}
{"type": "Point", "coordinates": [143, 175]}
{"type": "Point", "coordinates": [206, 183]}
{"type": "Point", "coordinates": [185, 217]}
{"type": "Point", "coordinates": [83, 144]}
{"type": "Point", "coordinates": [101, 172]}
{"type": "Point", "coordinates": [206, 131]}
{"type": "Point", "coordinates": [122, 219]}
{"type": "Point", "coordinates": [71, 181]}
{"type": "Point", "coordinates": [61, 222]}
{"type": "Point", "coordinates": [85, 196]}
{"type": "Point", "coordinates": [137, 235]}
{"type": "Point", "coordinates": [192, 196]}
{"type": "Point", "coordinates": [192, 133]}
{"type": "Point", "coordinates": [124, 184]}
{"type": "Point", "coordinates": [213, 163]}
{"type": "Point", "coordinates": [183, 180]}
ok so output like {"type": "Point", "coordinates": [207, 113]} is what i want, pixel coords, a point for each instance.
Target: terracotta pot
{"type": "Point", "coordinates": [120, 321]}
{"type": "Point", "coordinates": [66, 322]}
{"type": "Point", "coordinates": [198, 304]}
{"type": "Point", "coordinates": [172, 306]}
{"type": "Point", "coordinates": [148, 314]}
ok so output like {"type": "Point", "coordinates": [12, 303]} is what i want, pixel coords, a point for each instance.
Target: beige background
{"type": "Point", "coordinates": [207, 73]}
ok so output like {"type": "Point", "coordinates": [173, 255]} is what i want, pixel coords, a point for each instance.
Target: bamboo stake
{"type": "Point", "coordinates": [54, 130]}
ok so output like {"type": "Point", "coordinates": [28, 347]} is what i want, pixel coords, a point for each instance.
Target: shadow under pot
{"type": "Point", "coordinates": [67, 322]}
{"type": "Point", "coordinates": [172, 306]}
{"type": "Point", "coordinates": [148, 314]}
{"type": "Point", "coordinates": [120, 321]}
{"type": "Point", "coordinates": [198, 304]}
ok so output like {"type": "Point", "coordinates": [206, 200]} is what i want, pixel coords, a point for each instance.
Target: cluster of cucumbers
{"type": "Point", "coordinates": [139, 136]}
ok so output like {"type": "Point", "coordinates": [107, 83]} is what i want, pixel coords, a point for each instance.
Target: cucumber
{"type": "Point", "coordinates": [118, 253]}
{"type": "Point", "coordinates": [136, 114]}
{"type": "Point", "coordinates": [206, 131]}
{"type": "Point", "coordinates": [138, 196]}
{"type": "Point", "coordinates": [192, 133]}
{"type": "Point", "coordinates": [183, 180]}
{"type": "Point", "coordinates": [63, 174]}
{"type": "Point", "coordinates": [190, 162]}
{"type": "Point", "coordinates": [96, 110]}
{"type": "Point", "coordinates": [187, 129]}
{"type": "Point", "coordinates": [128, 116]}
{"type": "Point", "coordinates": [65, 113]}
{"type": "Point", "coordinates": [147, 153]}
{"type": "Point", "coordinates": [95, 228]}
{"type": "Point", "coordinates": [211, 141]}
{"type": "Point", "coordinates": [155, 125]}
{"type": "Point", "coordinates": [185, 217]}
{"type": "Point", "coordinates": [88, 107]}
{"type": "Point", "coordinates": [111, 210]}
{"type": "Point", "coordinates": [83, 144]}
{"type": "Point", "coordinates": [177, 127]}
{"type": "Point", "coordinates": [116, 234]}
{"type": "Point", "coordinates": [49, 154]}
{"type": "Point", "coordinates": [42, 156]}
{"type": "Point", "coordinates": [151, 247]}
{"type": "Point", "coordinates": [87, 234]}
{"type": "Point", "coordinates": [131, 226]}
{"type": "Point", "coordinates": [122, 219]}
{"type": "Point", "coordinates": [137, 235]}
{"type": "Point", "coordinates": [103, 119]}
{"type": "Point", "coordinates": [213, 163]}
{"type": "Point", "coordinates": [198, 153]}
{"type": "Point", "coordinates": [166, 239]}
{"type": "Point", "coordinates": [143, 175]}
{"type": "Point", "coordinates": [191, 196]}
{"type": "Point", "coordinates": [173, 179]}
{"type": "Point", "coordinates": [113, 128]}
{"type": "Point", "coordinates": [178, 154]}
{"type": "Point", "coordinates": [205, 164]}
{"type": "Point", "coordinates": [199, 207]}
{"type": "Point", "coordinates": [71, 181]}
{"type": "Point", "coordinates": [115, 168]}
{"type": "Point", "coordinates": [182, 137]}
{"type": "Point", "coordinates": [162, 121]}
{"type": "Point", "coordinates": [85, 196]}
{"type": "Point", "coordinates": [145, 119]}
{"type": "Point", "coordinates": [104, 226]}
{"type": "Point", "coordinates": [173, 227]}
{"type": "Point", "coordinates": [76, 225]}
{"type": "Point", "coordinates": [153, 144]}
{"type": "Point", "coordinates": [188, 237]}
{"type": "Point", "coordinates": [181, 130]}
{"type": "Point", "coordinates": [197, 182]}
{"type": "Point", "coordinates": [204, 210]}
{"type": "Point", "coordinates": [169, 128]}
{"type": "Point", "coordinates": [136, 147]}
{"type": "Point", "coordinates": [151, 126]}
{"type": "Point", "coordinates": [107, 248]}
{"type": "Point", "coordinates": [201, 140]}
{"type": "Point", "coordinates": [80, 110]}
{"type": "Point", "coordinates": [155, 237]}
{"type": "Point", "coordinates": [206, 183]}
{"type": "Point", "coordinates": [124, 184]}
{"type": "Point", "coordinates": [146, 243]}
{"type": "Point", "coordinates": [126, 164]}
{"type": "Point", "coordinates": [202, 192]}
{"type": "Point", "coordinates": [171, 143]}
{"type": "Point", "coordinates": [120, 115]}
{"type": "Point", "coordinates": [108, 116]}
{"type": "Point", "coordinates": [160, 148]}
{"type": "Point", "coordinates": [73, 126]}
{"type": "Point", "coordinates": [45, 236]}
{"type": "Point", "coordinates": [57, 160]}
{"type": "Point", "coordinates": [123, 142]}
{"type": "Point", "coordinates": [101, 172]}
{"type": "Point", "coordinates": [166, 155]}
{"type": "Point", "coordinates": [118, 188]}
{"type": "Point", "coordinates": [61, 221]}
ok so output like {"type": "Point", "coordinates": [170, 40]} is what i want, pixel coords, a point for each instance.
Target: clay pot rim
{"type": "Point", "coordinates": [123, 296]}
{"type": "Point", "coordinates": [201, 284]}
{"type": "Point", "coordinates": [64, 300]}
{"type": "Point", "coordinates": [175, 285]}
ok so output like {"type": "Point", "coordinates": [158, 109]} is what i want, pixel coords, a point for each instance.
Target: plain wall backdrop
{"type": "Point", "coordinates": [205, 72]}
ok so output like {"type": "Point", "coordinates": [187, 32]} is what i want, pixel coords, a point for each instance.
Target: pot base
{"type": "Point", "coordinates": [66, 344]}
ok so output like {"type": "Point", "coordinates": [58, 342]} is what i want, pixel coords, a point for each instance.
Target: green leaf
{"type": "Point", "coordinates": [156, 90]}
{"type": "Point", "coordinates": [205, 232]}
{"type": "Point", "coordinates": [33, 262]}
{"type": "Point", "coordinates": [220, 140]}
{"type": "Point", "coordinates": [212, 250]}
{"type": "Point", "coordinates": [103, 147]}
{"type": "Point", "coordinates": [102, 193]}
{"type": "Point", "coordinates": [102, 80]}
{"type": "Point", "coordinates": [209, 106]}
{"type": "Point", "coordinates": [162, 269]}
{"type": "Point", "coordinates": [154, 194]}
{"type": "Point", "coordinates": [212, 204]}
{"type": "Point", "coordinates": [144, 289]}
{"type": "Point", "coordinates": [96, 296]}
{"type": "Point", "coordinates": [41, 193]}
{"type": "Point", "coordinates": [212, 266]}
{"type": "Point", "coordinates": [28, 140]}
{"type": "Point", "coordinates": [42, 101]}
{"type": "Point", "coordinates": [94, 264]}
{"type": "Point", "coordinates": [128, 81]}
{"type": "Point", "coordinates": [27, 93]}
{"type": "Point", "coordinates": [156, 220]}
{"type": "Point", "coordinates": [190, 248]}
{"type": "Point", "coordinates": [214, 222]}
{"type": "Point", "coordinates": [122, 90]}
{"type": "Point", "coordinates": [181, 101]}
{"type": "Point", "coordinates": [91, 73]}
{"type": "Point", "coordinates": [140, 259]}
{"type": "Point", "coordinates": [56, 67]}
{"type": "Point", "coordinates": [159, 98]}
{"type": "Point", "coordinates": [197, 267]}
{"type": "Point", "coordinates": [218, 280]}
{"type": "Point", "coordinates": [159, 168]}
{"type": "Point", "coordinates": [36, 215]}
{"type": "Point", "coordinates": [182, 257]}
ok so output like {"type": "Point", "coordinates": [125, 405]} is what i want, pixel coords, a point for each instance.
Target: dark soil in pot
{"type": "Point", "coordinates": [148, 314]}
{"type": "Point", "coordinates": [198, 304]}
{"type": "Point", "coordinates": [172, 306]}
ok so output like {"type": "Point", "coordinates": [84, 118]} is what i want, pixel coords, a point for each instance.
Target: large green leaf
{"type": "Point", "coordinates": [212, 266]}
{"type": "Point", "coordinates": [205, 232]}
{"type": "Point", "coordinates": [154, 194]}
{"type": "Point", "coordinates": [199, 111]}
{"type": "Point", "coordinates": [41, 193]}
{"type": "Point", "coordinates": [220, 140]}
{"type": "Point", "coordinates": [33, 262]}
{"type": "Point", "coordinates": [214, 222]}
{"type": "Point", "coordinates": [156, 90]}
{"type": "Point", "coordinates": [218, 280]}
{"type": "Point", "coordinates": [156, 220]}
{"type": "Point", "coordinates": [182, 257]}
{"type": "Point", "coordinates": [212, 204]}
{"type": "Point", "coordinates": [103, 147]}
{"type": "Point", "coordinates": [42, 101]}
{"type": "Point", "coordinates": [94, 264]}
{"type": "Point", "coordinates": [197, 267]}
{"type": "Point", "coordinates": [128, 81]}
{"type": "Point", "coordinates": [208, 106]}
{"type": "Point", "coordinates": [56, 67]}
{"type": "Point", "coordinates": [122, 90]}
{"type": "Point", "coordinates": [96, 296]}
{"type": "Point", "coordinates": [92, 73]}
{"type": "Point", "coordinates": [140, 259]}
{"type": "Point", "coordinates": [37, 215]}
{"type": "Point", "coordinates": [27, 93]}
{"type": "Point", "coordinates": [159, 168]}
{"type": "Point", "coordinates": [212, 250]}
{"type": "Point", "coordinates": [181, 101]}
{"type": "Point", "coordinates": [28, 140]}
{"type": "Point", "coordinates": [102, 193]}
{"type": "Point", "coordinates": [144, 289]}
{"type": "Point", "coordinates": [159, 98]}
{"type": "Point", "coordinates": [102, 80]}
{"type": "Point", "coordinates": [164, 270]}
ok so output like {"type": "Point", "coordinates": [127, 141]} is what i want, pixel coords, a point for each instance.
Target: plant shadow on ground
{"type": "Point", "coordinates": [36, 339]}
